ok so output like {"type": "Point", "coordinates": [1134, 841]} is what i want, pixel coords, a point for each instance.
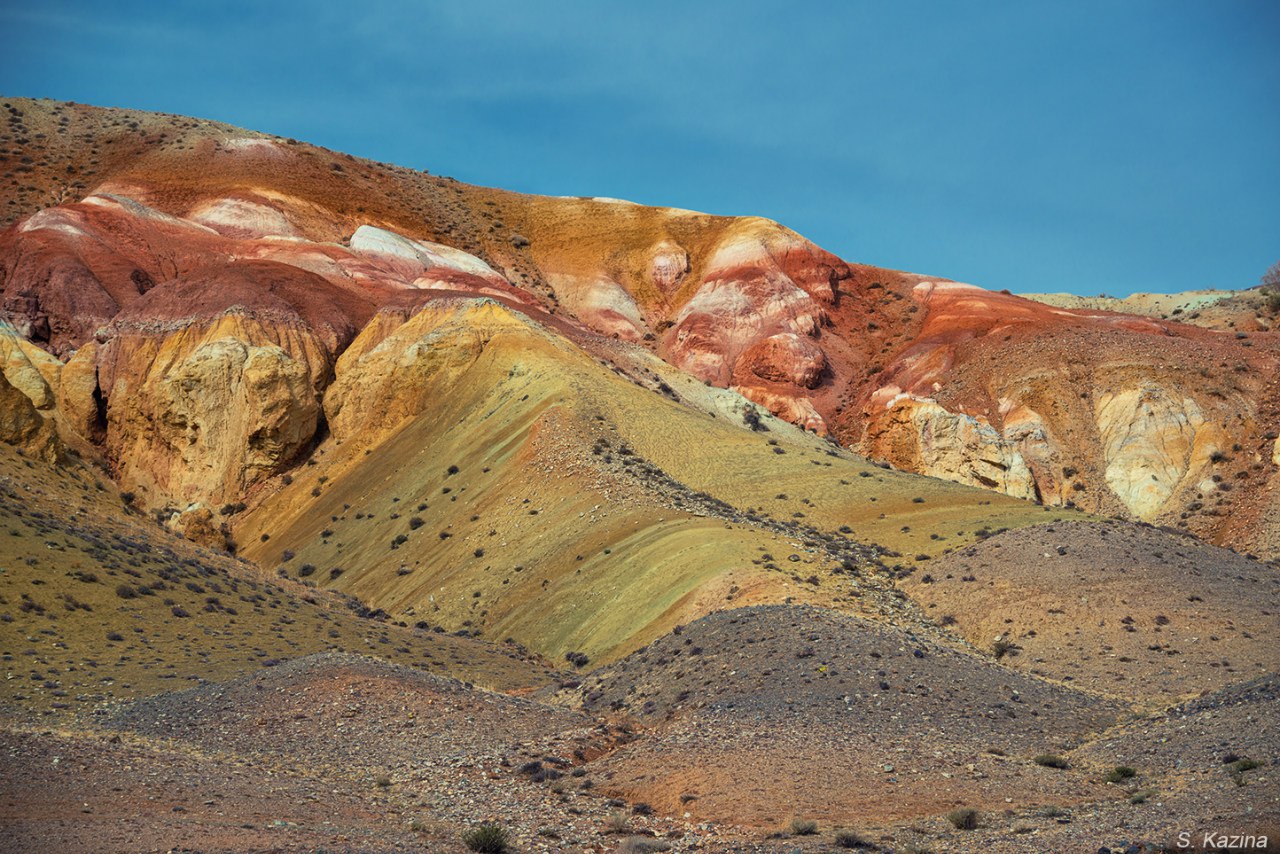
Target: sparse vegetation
{"type": "Point", "coordinates": [1271, 288]}
{"type": "Point", "coordinates": [1121, 773]}
{"type": "Point", "coordinates": [878, 680]}
{"type": "Point", "coordinates": [804, 827]}
{"type": "Point", "coordinates": [1051, 760]}
{"type": "Point", "coordinates": [487, 839]}
{"type": "Point", "coordinates": [1003, 646]}
{"type": "Point", "coordinates": [849, 839]}
{"type": "Point", "coordinates": [616, 823]}
{"type": "Point", "coordinates": [1241, 765]}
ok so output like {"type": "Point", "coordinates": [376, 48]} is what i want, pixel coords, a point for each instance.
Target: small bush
{"type": "Point", "coordinates": [963, 819]}
{"type": "Point", "coordinates": [1273, 301]}
{"type": "Point", "coordinates": [751, 418]}
{"type": "Point", "coordinates": [849, 839]}
{"type": "Point", "coordinates": [487, 839]}
{"type": "Point", "coordinates": [1001, 647]}
{"type": "Point", "coordinates": [1051, 760]}
{"type": "Point", "coordinates": [1242, 765]}
{"type": "Point", "coordinates": [415, 523]}
{"type": "Point", "coordinates": [804, 827]}
{"type": "Point", "coordinates": [616, 822]}
{"type": "Point", "coordinates": [1121, 773]}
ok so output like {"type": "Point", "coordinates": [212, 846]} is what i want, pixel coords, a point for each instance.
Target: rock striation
{"type": "Point", "coordinates": [191, 299]}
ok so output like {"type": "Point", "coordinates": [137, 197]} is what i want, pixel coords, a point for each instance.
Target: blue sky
{"type": "Point", "coordinates": [1079, 146]}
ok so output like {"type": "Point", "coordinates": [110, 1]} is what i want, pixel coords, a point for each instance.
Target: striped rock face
{"type": "Point", "coordinates": [129, 277]}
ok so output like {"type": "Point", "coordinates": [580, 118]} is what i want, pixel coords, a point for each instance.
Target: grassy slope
{"type": "Point", "coordinates": [611, 553]}
{"type": "Point", "coordinates": [67, 545]}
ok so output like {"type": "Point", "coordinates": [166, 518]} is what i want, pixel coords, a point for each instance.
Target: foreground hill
{"type": "Point", "coordinates": [162, 221]}
{"type": "Point", "coordinates": [748, 699]}
{"type": "Point", "coordinates": [349, 754]}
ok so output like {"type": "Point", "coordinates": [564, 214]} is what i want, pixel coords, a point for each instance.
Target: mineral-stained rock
{"type": "Point", "coordinates": [378, 386]}
{"type": "Point", "coordinates": [922, 436]}
{"type": "Point", "coordinates": [760, 281]}
{"type": "Point", "coordinates": [26, 396]}
{"type": "Point", "coordinates": [784, 358]}
{"type": "Point", "coordinates": [1154, 440]}
{"type": "Point", "coordinates": [79, 398]}
{"type": "Point", "coordinates": [669, 266]}
{"type": "Point", "coordinates": [601, 304]}
{"type": "Point", "coordinates": [1065, 402]}
{"type": "Point", "coordinates": [197, 523]}
{"type": "Point", "coordinates": [798, 410]}
{"type": "Point", "coordinates": [206, 411]}
{"type": "Point", "coordinates": [20, 424]}
{"type": "Point", "coordinates": [28, 368]}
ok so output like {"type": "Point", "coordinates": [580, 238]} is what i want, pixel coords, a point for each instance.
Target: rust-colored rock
{"type": "Point", "coordinates": [937, 377]}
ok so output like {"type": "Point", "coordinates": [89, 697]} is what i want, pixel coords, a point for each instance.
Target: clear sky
{"type": "Point", "coordinates": [1081, 146]}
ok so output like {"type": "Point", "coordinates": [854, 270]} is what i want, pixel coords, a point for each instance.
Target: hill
{"type": "Point", "coordinates": [1117, 414]}
{"type": "Point", "coordinates": [348, 507]}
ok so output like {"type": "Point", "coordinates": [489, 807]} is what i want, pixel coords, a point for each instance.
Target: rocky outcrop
{"type": "Point", "coordinates": [1154, 441]}
{"type": "Point", "coordinates": [206, 412]}
{"type": "Point", "coordinates": [784, 358]}
{"type": "Point", "coordinates": [668, 266]}
{"type": "Point", "coordinates": [919, 435]}
{"type": "Point", "coordinates": [760, 281]}
{"type": "Point", "coordinates": [602, 305]}
{"type": "Point", "coordinates": [26, 396]}
{"type": "Point", "coordinates": [798, 410]}
{"type": "Point", "coordinates": [80, 399]}
{"type": "Point", "coordinates": [246, 216]}
{"type": "Point", "coordinates": [378, 386]}
{"type": "Point", "coordinates": [1117, 413]}
{"type": "Point", "coordinates": [422, 264]}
